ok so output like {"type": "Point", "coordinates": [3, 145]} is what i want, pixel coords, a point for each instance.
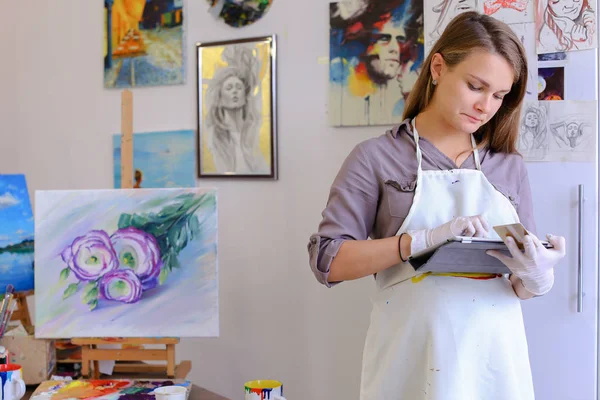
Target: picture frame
{"type": "Point", "coordinates": [236, 115]}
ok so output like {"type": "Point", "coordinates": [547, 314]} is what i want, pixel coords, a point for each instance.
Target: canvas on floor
{"type": "Point", "coordinates": [126, 263]}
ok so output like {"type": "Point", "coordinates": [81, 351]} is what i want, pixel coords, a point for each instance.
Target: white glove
{"type": "Point", "coordinates": [459, 226]}
{"type": "Point", "coordinates": [535, 265]}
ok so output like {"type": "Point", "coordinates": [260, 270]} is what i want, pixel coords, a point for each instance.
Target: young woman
{"type": "Point", "coordinates": [449, 169]}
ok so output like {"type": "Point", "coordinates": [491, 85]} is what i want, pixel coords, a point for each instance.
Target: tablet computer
{"type": "Point", "coordinates": [463, 254]}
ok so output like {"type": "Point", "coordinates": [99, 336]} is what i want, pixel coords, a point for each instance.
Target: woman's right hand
{"type": "Point", "coordinates": [472, 226]}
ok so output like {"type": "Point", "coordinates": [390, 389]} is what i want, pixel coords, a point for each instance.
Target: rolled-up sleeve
{"type": "Point", "coordinates": [349, 214]}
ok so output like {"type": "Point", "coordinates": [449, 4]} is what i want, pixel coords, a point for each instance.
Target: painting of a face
{"type": "Point", "coordinates": [384, 53]}
{"type": "Point", "coordinates": [572, 130]}
{"type": "Point", "coordinates": [531, 120]}
{"type": "Point", "coordinates": [232, 93]}
{"type": "Point", "coordinates": [566, 8]}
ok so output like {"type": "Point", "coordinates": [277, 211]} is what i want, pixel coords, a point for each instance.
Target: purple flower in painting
{"type": "Point", "coordinates": [121, 285]}
{"type": "Point", "coordinates": [90, 256]}
{"type": "Point", "coordinates": [138, 251]}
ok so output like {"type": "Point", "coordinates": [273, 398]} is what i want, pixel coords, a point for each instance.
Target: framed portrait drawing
{"type": "Point", "coordinates": [237, 130]}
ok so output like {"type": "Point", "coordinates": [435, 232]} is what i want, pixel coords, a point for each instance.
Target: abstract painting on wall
{"type": "Point", "coordinates": [376, 52]}
{"type": "Point", "coordinates": [143, 43]}
{"type": "Point", "coordinates": [160, 159]}
{"type": "Point", "coordinates": [237, 128]}
{"type": "Point", "coordinates": [16, 234]}
{"type": "Point", "coordinates": [126, 263]}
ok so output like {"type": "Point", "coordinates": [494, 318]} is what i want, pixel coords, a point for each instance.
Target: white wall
{"type": "Point", "coordinates": [276, 320]}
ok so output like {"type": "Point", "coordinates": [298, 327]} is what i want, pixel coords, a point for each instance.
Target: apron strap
{"type": "Point", "coordinates": [420, 157]}
{"type": "Point", "coordinates": [476, 153]}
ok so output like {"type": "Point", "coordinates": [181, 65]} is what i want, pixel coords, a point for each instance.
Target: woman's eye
{"type": "Point", "coordinates": [472, 87]}
{"type": "Point", "coordinates": [499, 97]}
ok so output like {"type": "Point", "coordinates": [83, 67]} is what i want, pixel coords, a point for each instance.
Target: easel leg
{"type": "Point", "coordinates": [85, 362]}
{"type": "Point", "coordinates": [96, 369]}
{"type": "Point", "coordinates": [171, 360]}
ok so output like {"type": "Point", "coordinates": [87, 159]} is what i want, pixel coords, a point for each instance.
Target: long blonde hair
{"type": "Point", "coordinates": [466, 33]}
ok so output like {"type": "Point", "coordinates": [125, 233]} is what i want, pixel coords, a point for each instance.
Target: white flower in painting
{"type": "Point", "coordinates": [347, 9]}
{"type": "Point", "coordinates": [7, 200]}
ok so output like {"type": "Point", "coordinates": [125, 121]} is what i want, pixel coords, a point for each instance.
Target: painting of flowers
{"type": "Point", "coordinates": [126, 262]}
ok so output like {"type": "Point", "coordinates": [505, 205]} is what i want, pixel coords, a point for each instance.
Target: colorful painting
{"type": "Point", "coordinates": [104, 389]}
{"type": "Point", "coordinates": [160, 159]}
{"type": "Point", "coordinates": [143, 43]}
{"type": "Point", "coordinates": [239, 13]}
{"type": "Point", "coordinates": [126, 263]}
{"type": "Point", "coordinates": [375, 55]}
{"type": "Point", "coordinates": [16, 234]}
{"type": "Point", "coordinates": [551, 83]}
{"type": "Point", "coordinates": [236, 109]}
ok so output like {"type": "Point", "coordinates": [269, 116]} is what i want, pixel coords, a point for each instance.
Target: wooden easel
{"type": "Point", "coordinates": [131, 348]}
{"type": "Point", "coordinates": [22, 311]}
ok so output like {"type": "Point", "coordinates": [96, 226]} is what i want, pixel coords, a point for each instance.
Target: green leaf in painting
{"type": "Point", "coordinates": [93, 304]}
{"type": "Point", "coordinates": [90, 296]}
{"type": "Point", "coordinates": [138, 221]}
{"type": "Point", "coordinates": [164, 273]}
{"type": "Point", "coordinates": [124, 221]}
{"type": "Point", "coordinates": [193, 227]}
{"type": "Point", "coordinates": [64, 274]}
{"type": "Point", "coordinates": [70, 290]}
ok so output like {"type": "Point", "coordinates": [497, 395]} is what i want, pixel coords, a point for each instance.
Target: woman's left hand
{"type": "Point", "coordinates": [535, 265]}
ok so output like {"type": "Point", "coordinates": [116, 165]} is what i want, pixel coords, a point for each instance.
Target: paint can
{"type": "Point", "coordinates": [170, 393]}
{"type": "Point", "coordinates": [4, 356]}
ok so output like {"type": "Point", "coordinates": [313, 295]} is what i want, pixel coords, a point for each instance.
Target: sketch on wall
{"type": "Point", "coordinates": [236, 114]}
{"type": "Point", "coordinates": [533, 134]}
{"type": "Point", "coordinates": [558, 131]}
{"type": "Point", "coordinates": [376, 52]}
{"type": "Point", "coordinates": [126, 262]}
{"type": "Point", "coordinates": [160, 159]}
{"type": "Point", "coordinates": [143, 43]}
{"type": "Point", "coordinates": [565, 25]}
{"type": "Point", "coordinates": [572, 128]}
{"type": "Point", "coordinates": [510, 11]}
{"type": "Point", "coordinates": [526, 34]}
{"type": "Point", "coordinates": [16, 234]}
{"type": "Point", "coordinates": [438, 16]}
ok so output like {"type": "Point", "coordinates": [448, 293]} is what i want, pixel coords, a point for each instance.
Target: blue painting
{"type": "Point", "coordinates": [160, 159]}
{"type": "Point", "coordinates": [16, 234]}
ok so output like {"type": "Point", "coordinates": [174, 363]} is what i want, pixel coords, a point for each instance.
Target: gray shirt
{"type": "Point", "coordinates": [374, 189]}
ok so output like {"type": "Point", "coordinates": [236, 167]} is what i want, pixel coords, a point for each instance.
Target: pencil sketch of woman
{"type": "Point", "coordinates": [533, 140]}
{"type": "Point", "coordinates": [233, 120]}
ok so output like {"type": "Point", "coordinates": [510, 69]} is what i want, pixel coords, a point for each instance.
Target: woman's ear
{"type": "Point", "coordinates": [437, 66]}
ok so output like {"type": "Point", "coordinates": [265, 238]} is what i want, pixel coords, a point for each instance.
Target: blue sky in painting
{"type": "Point", "coordinates": [16, 217]}
{"type": "Point", "coordinates": [166, 159]}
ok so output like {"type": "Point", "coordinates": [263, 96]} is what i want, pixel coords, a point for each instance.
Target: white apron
{"type": "Point", "coordinates": [445, 337]}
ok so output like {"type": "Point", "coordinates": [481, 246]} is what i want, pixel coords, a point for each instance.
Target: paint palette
{"type": "Point", "coordinates": [105, 389]}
